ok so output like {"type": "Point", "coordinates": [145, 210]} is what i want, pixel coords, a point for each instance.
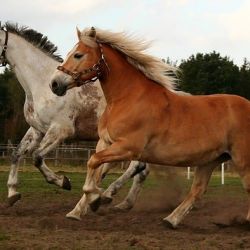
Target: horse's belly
{"type": "Point", "coordinates": [183, 153]}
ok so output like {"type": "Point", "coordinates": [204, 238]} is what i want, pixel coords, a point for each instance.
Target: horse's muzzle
{"type": "Point", "coordinates": [58, 88]}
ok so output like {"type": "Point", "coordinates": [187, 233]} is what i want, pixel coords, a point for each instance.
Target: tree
{"type": "Point", "coordinates": [12, 122]}
{"type": "Point", "coordinates": [243, 88]}
{"type": "Point", "coordinates": [208, 74]}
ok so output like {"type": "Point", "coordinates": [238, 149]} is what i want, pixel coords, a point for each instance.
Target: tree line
{"type": "Point", "coordinates": [200, 74]}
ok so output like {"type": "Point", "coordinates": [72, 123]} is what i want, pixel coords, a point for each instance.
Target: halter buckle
{"type": "Point", "coordinates": [76, 75]}
{"type": "Point", "coordinates": [96, 67]}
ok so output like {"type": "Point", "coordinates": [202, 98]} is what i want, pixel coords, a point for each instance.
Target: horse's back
{"type": "Point", "coordinates": [230, 115]}
{"type": "Point", "coordinates": [229, 111]}
{"type": "Point", "coordinates": [238, 111]}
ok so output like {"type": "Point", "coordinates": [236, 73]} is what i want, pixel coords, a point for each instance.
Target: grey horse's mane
{"type": "Point", "coordinates": [37, 39]}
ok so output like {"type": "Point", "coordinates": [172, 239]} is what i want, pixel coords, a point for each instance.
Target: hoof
{"type": "Point", "coordinates": [66, 183]}
{"type": "Point", "coordinates": [123, 207]}
{"type": "Point", "coordinates": [106, 200]}
{"type": "Point", "coordinates": [72, 216]}
{"type": "Point", "coordinates": [102, 211]}
{"type": "Point", "coordinates": [94, 205]}
{"type": "Point", "coordinates": [234, 222]}
{"type": "Point", "coordinates": [13, 199]}
{"type": "Point", "coordinates": [168, 224]}
{"type": "Point", "coordinates": [117, 210]}
{"type": "Point", "coordinates": [221, 224]}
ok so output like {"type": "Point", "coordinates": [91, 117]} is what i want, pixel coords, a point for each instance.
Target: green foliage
{"type": "Point", "coordinates": [209, 74]}
{"type": "Point", "coordinates": [243, 88]}
{"type": "Point", "coordinates": [12, 122]}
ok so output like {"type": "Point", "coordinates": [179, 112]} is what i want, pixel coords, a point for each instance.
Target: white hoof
{"type": "Point", "coordinates": [123, 206]}
{"type": "Point", "coordinates": [73, 216]}
{"type": "Point", "coordinates": [170, 222]}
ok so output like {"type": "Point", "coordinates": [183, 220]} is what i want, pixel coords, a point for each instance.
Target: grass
{"type": "Point", "coordinates": [33, 182]}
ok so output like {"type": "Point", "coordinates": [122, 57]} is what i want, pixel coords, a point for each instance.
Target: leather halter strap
{"type": "Point", "coordinates": [95, 68]}
{"type": "Point", "coordinates": [3, 58]}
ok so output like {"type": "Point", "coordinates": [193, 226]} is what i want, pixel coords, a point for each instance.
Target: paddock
{"type": "Point", "coordinates": [38, 220]}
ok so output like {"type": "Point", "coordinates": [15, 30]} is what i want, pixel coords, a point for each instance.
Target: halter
{"type": "Point", "coordinates": [95, 68]}
{"type": "Point", "coordinates": [3, 58]}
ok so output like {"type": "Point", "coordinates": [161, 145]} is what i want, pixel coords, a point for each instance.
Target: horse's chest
{"type": "Point", "coordinates": [104, 135]}
{"type": "Point", "coordinates": [33, 119]}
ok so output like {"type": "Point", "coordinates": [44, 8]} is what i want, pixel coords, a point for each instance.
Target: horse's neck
{"type": "Point", "coordinates": [122, 79]}
{"type": "Point", "coordinates": [32, 67]}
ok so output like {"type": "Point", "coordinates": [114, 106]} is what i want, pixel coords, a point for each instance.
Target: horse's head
{"type": "Point", "coordinates": [3, 45]}
{"type": "Point", "coordinates": [84, 63]}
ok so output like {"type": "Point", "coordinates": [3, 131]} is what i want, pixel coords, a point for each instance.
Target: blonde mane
{"type": "Point", "coordinates": [134, 51]}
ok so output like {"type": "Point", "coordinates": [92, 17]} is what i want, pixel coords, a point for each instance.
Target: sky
{"type": "Point", "coordinates": [178, 28]}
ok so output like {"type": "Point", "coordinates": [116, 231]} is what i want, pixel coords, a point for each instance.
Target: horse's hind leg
{"type": "Point", "coordinates": [31, 139]}
{"type": "Point", "coordinates": [201, 178]}
{"type": "Point", "coordinates": [134, 191]}
{"type": "Point", "coordinates": [245, 175]}
{"type": "Point", "coordinates": [136, 170]}
{"type": "Point", "coordinates": [241, 161]}
{"type": "Point", "coordinates": [246, 182]}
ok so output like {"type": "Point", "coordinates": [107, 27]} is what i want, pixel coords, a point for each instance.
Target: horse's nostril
{"type": "Point", "coordinates": [54, 85]}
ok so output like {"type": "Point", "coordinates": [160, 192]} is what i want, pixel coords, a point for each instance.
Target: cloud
{"type": "Point", "coordinates": [69, 7]}
{"type": "Point", "coordinates": [178, 27]}
{"type": "Point", "coordinates": [237, 23]}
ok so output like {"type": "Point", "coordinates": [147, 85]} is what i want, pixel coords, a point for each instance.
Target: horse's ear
{"type": "Point", "coordinates": [92, 32]}
{"type": "Point", "coordinates": [78, 33]}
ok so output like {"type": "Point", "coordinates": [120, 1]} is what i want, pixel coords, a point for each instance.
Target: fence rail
{"type": "Point", "coordinates": [63, 154]}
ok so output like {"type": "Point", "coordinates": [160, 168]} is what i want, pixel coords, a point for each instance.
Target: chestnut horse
{"type": "Point", "coordinates": [145, 120]}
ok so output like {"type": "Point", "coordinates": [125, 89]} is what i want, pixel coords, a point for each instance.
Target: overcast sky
{"type": "Point", "coordinates": [178, 28]}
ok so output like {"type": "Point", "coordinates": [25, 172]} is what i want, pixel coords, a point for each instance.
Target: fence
{"type": "Point", "coordinates": [74, 154]}
{"type": "Point", "coordinates": [222, 167]}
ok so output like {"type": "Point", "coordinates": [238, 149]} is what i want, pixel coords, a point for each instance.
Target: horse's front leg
{"type": "Point", "coordinates": [82, 206]}
{"type": "Point", "coordinates": [136, 170]}
{"type": "Point", "coordinates": [51, 140]}
{"type": "Point", "coordinates": [92, 193]}
{"type": "Point", "coordinates": [118, 151]}
{"type": "Point", "coordinates": [31, 139]}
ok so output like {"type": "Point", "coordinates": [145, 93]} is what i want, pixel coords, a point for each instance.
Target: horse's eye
{"type": "Point", "coordinates": [78, 55]}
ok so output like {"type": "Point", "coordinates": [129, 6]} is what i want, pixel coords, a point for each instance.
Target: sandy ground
{"type": "Point", "coordinates": [38, 222]}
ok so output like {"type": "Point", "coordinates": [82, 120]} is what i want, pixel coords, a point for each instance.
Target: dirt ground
{"type": "Point", "coordinates": [38, 222]}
